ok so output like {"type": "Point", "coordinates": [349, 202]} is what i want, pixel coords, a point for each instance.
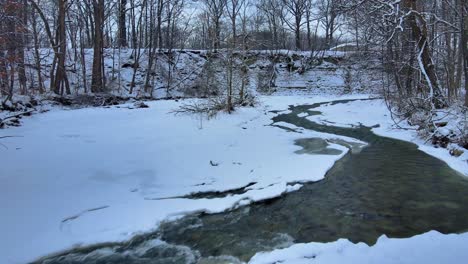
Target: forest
{"type": "Point", "coordinates": [422, 43]}
{"type": "Point", "coordinates": [233, 131]}
{"type": "Point", "coordinates": [59, 48]}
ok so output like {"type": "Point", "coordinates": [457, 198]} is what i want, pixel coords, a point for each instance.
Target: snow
{"type": "Point", "coordinates": [78, 177]}
{"type": "Point", "coordinates": [321, 53]}
{"type": "Point", "coordinates": [375, 112]}
{"type": "Point", "coordinates": [326, 75]}
{"type": "Point", "coordinates": [188, 70]}
{"type": "Point", "coordinates": [432, 247]}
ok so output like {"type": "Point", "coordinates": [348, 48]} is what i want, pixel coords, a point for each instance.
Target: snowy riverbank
{"type": "Point", "coordinates": [431, 247]}
{"type": "Point", "coordinates": [375, 112]}
{"type": "Point", "coordinates": [78, 177]}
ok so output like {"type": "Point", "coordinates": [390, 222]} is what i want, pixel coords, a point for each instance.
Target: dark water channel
{"type": "Point", "coordinates": [389, 187]}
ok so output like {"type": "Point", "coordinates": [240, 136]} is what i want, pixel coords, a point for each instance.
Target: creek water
{"type": "Point", "coordinates": [389, 187]}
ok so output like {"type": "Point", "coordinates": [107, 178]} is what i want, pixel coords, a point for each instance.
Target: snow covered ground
{"type": "Point", "coordinates": [431, 247]}
{"type": "Point", "coordinates": [77, 177]}
{"type": "Point", "coordinates": [72, 177]}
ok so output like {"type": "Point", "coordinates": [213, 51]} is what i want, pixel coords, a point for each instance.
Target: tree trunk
{"type": "Point", "coordinates": [298, 33]}
{"type": "Point", "coordinates": [159, 24]}
{"type": "Point", "coordinates": [3, 74]}
{"type": "Point", "coordinates": [83, 61]}
{"type": "Point", "coordinates": [419, 30]}
{"type": "Point", "coordinates": [123, 24]}
{"type": "Point", "coordinates": [332, 26]}
{"type": "Point", "coordinates": [61, 82]}
{"type": "Point", "coordinates": [309, 32]}
{"type": "Point", "coordinates": [11, 46]}
{"type": "Point", "coordinates": [37, 56]}
{"type": "Point", "coordinates": [21, 42]}
{"type": "Point", "coordinates": [151, 53]}
{"type": "Point", "coordinates": [97, 84]}
{"type": "Point", "coordinates": [465, 48]}
{"type": "Point", "coordinates": [217, 35]}
{"type": "Point", "coordinates": [230, 70]}
{"type": "Point", "coordinates": [234, 32]}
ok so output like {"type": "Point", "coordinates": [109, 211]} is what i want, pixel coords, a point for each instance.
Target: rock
{"type": "Point", "coordinates": [441, 124]}
{"type": "Point", "coordinates": [33, 102]}
{"type": "Point", "coordinates": [456, 152]}
{"type": "Point", "coordinates": [140, 105]}
{"type": "Point", "coordinates": [441, 141]}
{"type": "Point", "coordinates": [8, 106]}
{"type": "Point", "coordinates": [130, 65]}
{"type": "Point", "coordinates": [63, 100]}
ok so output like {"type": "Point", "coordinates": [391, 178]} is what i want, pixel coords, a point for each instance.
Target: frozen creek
{"type": "Point", "coordinates": [389, 187]}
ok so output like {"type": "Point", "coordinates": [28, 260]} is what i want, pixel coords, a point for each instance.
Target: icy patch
{"type": "Point", "coordinates": [317, 146]}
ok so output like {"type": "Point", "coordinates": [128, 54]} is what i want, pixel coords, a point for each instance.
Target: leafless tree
{"type": "Point", "coordinates": [215, 10]}
{"type": "Point", "coordinates": [97, 82]}
{"type": "Point", "coordinates": [296, 9]}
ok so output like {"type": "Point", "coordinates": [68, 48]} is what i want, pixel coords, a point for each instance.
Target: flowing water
{"type": "Point", "coordinates": [389, 187]}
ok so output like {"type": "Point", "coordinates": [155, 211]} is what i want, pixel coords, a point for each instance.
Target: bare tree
{"type": "Point", "coordinates": [215, 10]}
{"type": "Point", "coordinates": [274, 12]}
{"type": "Point", "coordinates": [328, 15]}
{"type": "Point", "coordinates": [60, 82]}
{"type": "Point", "coordinates": [426, 64]}
{"type": "Point", "coordinates": [233, 8]}
{"type": "Point", "coordinates": [296, 9]}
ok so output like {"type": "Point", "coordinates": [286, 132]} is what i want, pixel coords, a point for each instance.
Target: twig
{"type": "Point", "coordinates": [17, 115]}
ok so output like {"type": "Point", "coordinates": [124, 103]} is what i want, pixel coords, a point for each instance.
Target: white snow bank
{"type": "Point", "coordinates": [77, 177]}
{"type": "Point", "coordinates": [432, 247]}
